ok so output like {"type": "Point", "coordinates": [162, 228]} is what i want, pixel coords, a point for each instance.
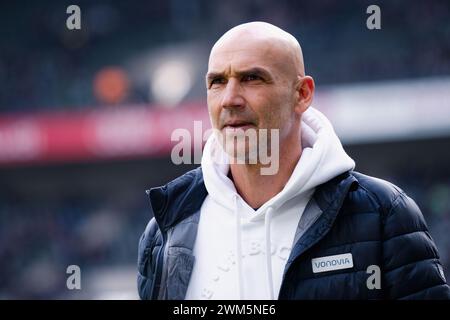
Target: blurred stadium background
{"type": "Point", "coordinates": [86, 118]}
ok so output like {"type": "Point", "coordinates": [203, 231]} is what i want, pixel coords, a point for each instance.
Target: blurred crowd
{"type": "Point", "coordinates": [43, 65]}
{"type": "Point", "coordinates": [39, 239]}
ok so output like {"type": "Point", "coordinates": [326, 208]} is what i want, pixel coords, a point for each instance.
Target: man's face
{"type": "Point", "coordinates": [250, 86]}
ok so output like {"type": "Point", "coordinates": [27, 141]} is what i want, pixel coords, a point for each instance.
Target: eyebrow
{"type": "Point", "coordinates": [258, 71]}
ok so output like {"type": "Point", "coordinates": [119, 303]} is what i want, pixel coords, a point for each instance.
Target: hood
{"type": "Point", "coordinates": [322, 159]}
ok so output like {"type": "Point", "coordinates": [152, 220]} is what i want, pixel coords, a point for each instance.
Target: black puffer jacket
{"type": "Point", "coordinates": [353, 214]}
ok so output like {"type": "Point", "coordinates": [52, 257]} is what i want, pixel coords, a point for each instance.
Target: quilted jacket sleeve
{"type": "Point", "coordinates": [147, 247]}
{"type": "Point", "coordinates": [411, 267]}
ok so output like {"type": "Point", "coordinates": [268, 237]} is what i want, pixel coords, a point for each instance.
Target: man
{"type": "Point", "coordinates": [312, 229]}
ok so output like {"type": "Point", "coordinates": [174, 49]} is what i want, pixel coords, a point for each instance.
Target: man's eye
{"type": "Point", "coordinates": [217, 81]}
{"type": "Point", "coordinates": [251, 77]}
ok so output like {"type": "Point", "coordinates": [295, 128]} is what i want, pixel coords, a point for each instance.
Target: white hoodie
{"type": "Point", "coordinates": [231, 251]}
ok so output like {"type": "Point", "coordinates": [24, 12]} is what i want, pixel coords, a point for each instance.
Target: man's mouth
{"type": "Point", "coordinates": [237, 125]}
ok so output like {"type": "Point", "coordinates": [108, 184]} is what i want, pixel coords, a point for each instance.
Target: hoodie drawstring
{"type": "Point", "coordinates": [267, 221]}
{"type": "Point", "coordinates": [269, 272]}
{"type": "Point", "coordinates": [239, 248]}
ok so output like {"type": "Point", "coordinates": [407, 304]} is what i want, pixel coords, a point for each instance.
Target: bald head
{"type": "Point", "coordinates": [265, 38]}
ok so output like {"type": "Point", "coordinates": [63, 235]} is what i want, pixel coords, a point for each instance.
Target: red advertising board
{"type": "Point", "coordinates": [125, 132]}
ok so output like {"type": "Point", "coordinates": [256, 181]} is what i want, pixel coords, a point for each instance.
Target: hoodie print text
{"type": "Point", "coordinates": [226, 265]}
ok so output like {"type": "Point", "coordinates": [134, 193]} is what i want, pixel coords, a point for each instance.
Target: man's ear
{"type": "Point", "coordinates": [305, 89]}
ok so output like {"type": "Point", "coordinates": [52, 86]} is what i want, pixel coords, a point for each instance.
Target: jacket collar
{"type": "Point", "coordinates": [178, 199]}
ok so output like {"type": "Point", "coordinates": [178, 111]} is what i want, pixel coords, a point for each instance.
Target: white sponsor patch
{"type": "Point", "coordinates": [329, 263]}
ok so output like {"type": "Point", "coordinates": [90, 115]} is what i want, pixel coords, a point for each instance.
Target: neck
{"type": "Point", "coordinates": [257, 189]}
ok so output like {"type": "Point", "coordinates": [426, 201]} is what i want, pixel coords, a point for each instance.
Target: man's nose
{"type": "Point", "coordinates": [232, 96]}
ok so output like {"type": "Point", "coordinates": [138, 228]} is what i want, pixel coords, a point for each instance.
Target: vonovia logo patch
{"type": "Point", "coordinates": [330, 263]}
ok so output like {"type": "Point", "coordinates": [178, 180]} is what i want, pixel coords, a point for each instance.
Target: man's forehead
{"type": "Point", "coordinates": [258, 43]}
{"type": "Point", "coordinates": [245, 56]}
{"type": "Point", "coordinates": [238, 60]}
